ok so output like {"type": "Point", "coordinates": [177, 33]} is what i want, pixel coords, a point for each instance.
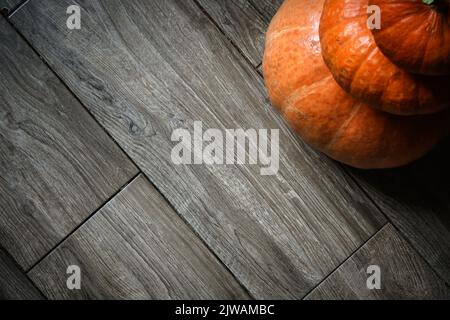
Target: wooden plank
{"type": "Point", "coordinates": [57, 165]}
{"type": "Point", "coordinates": [245, 22]}
{"type": "Point", "coordinates": [9, 4]}
{"type": "Point", "coordinates": [416, 199]}
{"type": "Point", "coordinates": [268, 8]}
{"type": "Point", "coordinates": [403, 273]}
{"type": "Point", "coordinates": [14, 285]}
{"type": "Point", "coordinates": [419, 212]}
{"type": "Point", "coordinates": [136, 247]}
{"type": "Point", "coordinates": [145, 68]}
{"type": "Point", "coordinates": [241, 23]}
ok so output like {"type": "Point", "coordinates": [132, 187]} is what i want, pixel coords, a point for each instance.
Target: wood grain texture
{"type": "Point", "coordinates": [14, 284]}
{"type": "Point", "coordinates": [145, 68]}
{"type": "Point", "coordinates": [267, 8]}
{"type": "Point", "coordinates": [136, 247]}
{"type": "Point", "coordinates": [9, 4]}
{"type": "Point", "coordinates": [244, 22]}
{"type": "Point", "coordinates": [404, 274]}
{"type": "Point", "coordinates": [416, 199]}
{"type": "Point", "coordinates": [57, 165]}
{"type": "Point", "coordinates": [241, 23]}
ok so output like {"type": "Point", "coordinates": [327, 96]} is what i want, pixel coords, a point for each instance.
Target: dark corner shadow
{"type": "Point", "coordinates": [424, 183]}
{"type": "Point", "coordinates": [4, 12]}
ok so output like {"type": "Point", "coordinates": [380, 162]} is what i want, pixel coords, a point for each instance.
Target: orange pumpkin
{"type": "Point", "coordinates": [415, 35]}
{"type": "Point", "coordinates": [359, 67]}
{"type": "Point", "coordinates": [302, 88]}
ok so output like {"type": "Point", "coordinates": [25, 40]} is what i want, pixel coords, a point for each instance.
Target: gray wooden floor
{"type": "Point", "coordinates": [87, 179]}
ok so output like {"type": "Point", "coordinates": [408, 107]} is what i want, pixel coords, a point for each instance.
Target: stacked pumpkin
{"type": "Point", "coordinates": [367, 97]}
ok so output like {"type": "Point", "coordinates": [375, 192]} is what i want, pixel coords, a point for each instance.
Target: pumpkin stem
{"type": "Point", "coordinates": [440, 5]}
{"type": "Point", "coordinates": [436, 2]}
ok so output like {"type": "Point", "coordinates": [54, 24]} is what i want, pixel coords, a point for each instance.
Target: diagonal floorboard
{"type": "Point", "coordinates": [9, 4]}
{"type": "Point", "coordinates": [244, 22]}
{"type": "Point", "coordinates": [56, 164]}
{"type": "Point", "coordinates": [416, 199]}
{"type": "Point", "coordinates": [136, 247]}
{"type": "Point", "coordinates": [146, 68]}
{"type": "Point", "coordinates": [14, 284]}
{"type": "Point", "coordinates": [403, 274]}
{"type": "Point", "coordinates": [9, 7]}
{"type": "Point", "coordinates": [241, 23]}
{"type": "Point", "coordinates": [267, 8]}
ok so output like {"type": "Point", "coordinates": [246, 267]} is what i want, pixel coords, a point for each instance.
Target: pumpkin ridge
{"type": "Point", "coordinates": [386, 92]}
{"type": "Point", "coordinates": [370, 52]}
{"type": "Point", "coordinates": [356, 108]}
{"type": "Point", "coordinates": [343, 22]}
{"type": "Point", "coordinates": [330, 59]}
{"type": "Point", "coordinates": [278, 33]}
{"type": "Point", "coordinates": [328, 118]}
{"type": "Point", "coordinates": [425, 49]}
{"type": "Point", "coordinates": [401, 11]}
{"type": "Point", "coordinates": [299, 93]}
{"type": "Point", "coordinates": [395, 25]}
{"type": "Point", "coordinates": [404, 41]}
{"type": "Point", "coordinates": [427, 46]}
{"type": "Point", "coordinates": [346, 51]}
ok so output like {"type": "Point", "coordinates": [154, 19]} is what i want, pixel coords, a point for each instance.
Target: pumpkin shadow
{"type": "Point", "coordinates": [424, 183]}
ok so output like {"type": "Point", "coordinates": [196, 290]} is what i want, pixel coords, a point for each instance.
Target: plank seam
{"type": "Point", "coordinates": [206, 13]}
{"type": "Point", "coordinates": [72, 93]}
{"type": "Point", "coordinates": [202, 240]}
{"type": "Point", "coordinates": [256, 68]}
{"type": "Point", "coordinates": [388, 219]}
{"type": "Point", "coordinates": [78, 100]}
{"type": "Point", "coordinates": [404, 236]}
{"type": "Point", "coordinates": [10, 12]}
{"type": "Point", "coordinates": [348, 258]}
{"type": "Point", "coordinates": [84, 222]}
{"type": "Point", "coordinates": [262, 14]}
{"type": "Point", "coordinates": [23, 272]}
{"type": "Point", "coordinates": [131, 160]}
